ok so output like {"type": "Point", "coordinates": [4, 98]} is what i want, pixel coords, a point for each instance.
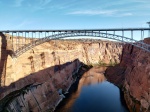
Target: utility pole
{"type": "Point", "coordinates": [149, 29]}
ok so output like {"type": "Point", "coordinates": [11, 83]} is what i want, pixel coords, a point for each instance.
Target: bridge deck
{"type": "Point", "coordinates": [31, 39]}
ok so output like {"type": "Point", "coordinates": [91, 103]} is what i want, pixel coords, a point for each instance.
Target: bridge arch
{"type": "Point", "coordinates": [62, 35]}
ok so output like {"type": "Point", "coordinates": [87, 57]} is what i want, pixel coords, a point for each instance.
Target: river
{"type": "Point", "coordinates": [94, 94]}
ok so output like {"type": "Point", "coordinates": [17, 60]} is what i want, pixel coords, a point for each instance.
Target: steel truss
{"type": "Point", "coordinates": [65, 34]}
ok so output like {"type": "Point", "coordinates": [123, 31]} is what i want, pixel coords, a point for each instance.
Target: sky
{"type": "Point", "coordinates": [73, 14]}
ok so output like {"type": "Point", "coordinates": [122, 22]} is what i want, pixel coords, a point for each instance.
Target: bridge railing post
{"type": "Point", "coordinates": [25, 38]}
{"type": "Point", "coordinates": [22, 40]}
{"type": "Point", "coordinates": [18, 39]}
{"type": "Point", "coordinates": [122, 35]}
{"type": "Point", "coordinates": [132, 36]}
{"type": "Point", "coordinates": [142, 35]}
{"type": "Point", "coordinates": [12, 41]}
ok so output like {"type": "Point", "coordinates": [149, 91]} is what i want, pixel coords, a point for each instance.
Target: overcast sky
{"type": "Point", "coordinates": [73, 14]}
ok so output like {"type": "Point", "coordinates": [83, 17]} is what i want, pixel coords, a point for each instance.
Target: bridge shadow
{"type": "Point", "coordinates": [47, 75]}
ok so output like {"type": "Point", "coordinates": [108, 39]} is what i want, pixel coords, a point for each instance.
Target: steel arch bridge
{"type": "Point", "coordinates": [60, 34]}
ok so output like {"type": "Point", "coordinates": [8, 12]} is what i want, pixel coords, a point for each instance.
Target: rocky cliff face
{"type": "Point", "coordinates": [133, 75]}
{"type": "Point", "coordinates": [37, 79]}
{"type": "Point", "coordinates": [40, 91]}
{"type": "Point", "coordinates": [59, 52]}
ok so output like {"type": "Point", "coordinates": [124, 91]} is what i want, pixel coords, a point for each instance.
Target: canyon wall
{"type": "Point", "coordinates": [40, 91]}
{"type": "Point", "coordinates": [133, 76]}
{"type": "Point", "coordinates": [59, 52]}
{"type": "Point", "coordinates": [36, 80]}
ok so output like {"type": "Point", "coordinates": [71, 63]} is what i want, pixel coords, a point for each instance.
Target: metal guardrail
{"type": "Point", "coordinates": [123, 39]}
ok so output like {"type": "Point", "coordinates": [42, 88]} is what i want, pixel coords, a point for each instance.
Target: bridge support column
{"type": "Point", "coordinates": [148, 30]}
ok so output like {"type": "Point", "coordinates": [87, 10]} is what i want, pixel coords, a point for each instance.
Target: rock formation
{"type": "Point", "coordinates": [36, 80]}
{"type": "Point", "coordinates": [133, 76]}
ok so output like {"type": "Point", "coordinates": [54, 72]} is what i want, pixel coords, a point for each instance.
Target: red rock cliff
{"type": "Point", "coordinates": [133, 74]}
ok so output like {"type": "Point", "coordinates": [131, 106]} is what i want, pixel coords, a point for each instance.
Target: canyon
{"type": "Point", "coordinates": [39, 78]}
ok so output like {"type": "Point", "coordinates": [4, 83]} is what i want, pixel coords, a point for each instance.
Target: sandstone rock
{"type": "Point", "coordinates": [144, 104]}
{"type": "Point", "coordinates": [147, 40]}
{"type": "Point", "coordinates": [136, 80]}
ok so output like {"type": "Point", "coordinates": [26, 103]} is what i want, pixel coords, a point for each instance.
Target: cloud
{"type": "Point", "coordinates": [45, 2]}
{"type": "Point", "coordinates": [93, 12]}
{"type": "Point", "coordinates": [23, 24]}
{"type": "Point", "coordinates": [126, 14]}
{"type": "Point", "coordinates": [141, 1]}
{"type": "Point", "coordinates": [114, 13]}
{"type": "Point", "coordinates": [41, 4]}
{"type": "Point", "coordinates": [18, 3]}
